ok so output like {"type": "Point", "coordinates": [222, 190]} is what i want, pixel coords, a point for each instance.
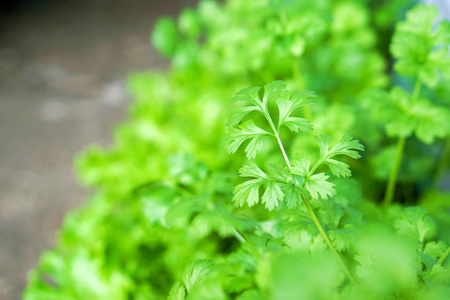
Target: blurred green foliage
{"type": "Point", "coordinates": [162, 223]}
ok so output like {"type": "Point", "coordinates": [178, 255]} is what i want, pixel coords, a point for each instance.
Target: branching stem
{"type": "Point", "coordinates": [314, 168]}
{"type": "Point", "coordinates": [277, 136]}
{"type": "Point", "coordinates": [306, 201]}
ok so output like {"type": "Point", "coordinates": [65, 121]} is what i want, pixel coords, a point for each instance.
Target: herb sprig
{"type": "Point", "coordinates": [299, 181]}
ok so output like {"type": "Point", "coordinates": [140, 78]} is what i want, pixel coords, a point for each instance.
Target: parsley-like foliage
{"type": "Point", "coordinates": [295, 182]}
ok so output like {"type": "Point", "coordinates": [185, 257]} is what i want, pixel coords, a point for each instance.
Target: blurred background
{"type": "Point", "coordinates": [63, 69]}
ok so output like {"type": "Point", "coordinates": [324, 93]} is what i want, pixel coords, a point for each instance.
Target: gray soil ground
{"type": "Point", "coordinates": [63, 67]}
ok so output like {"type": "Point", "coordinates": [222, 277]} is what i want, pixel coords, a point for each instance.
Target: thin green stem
{"type": "Point", "coordinates": [284, 152]}
{"type": "Point", "coordinates": [327, 239]}
{"type": "Point", "coordinates": [390, 188]}
{"type": "Point", "coordinates": [444, 256]}
{"type": "Point", "coordinates": [308, 206]}
{"type": "Point", "coordinates": [239, 236]}
{"type": "Point", "coordinates": [442, 166]}
{"type": "Point", "coordinates": [416, 91]}
{"type": "Point", "coordinates": [313, 169]}
{"type": "Point", "coordinates": [277, 136]}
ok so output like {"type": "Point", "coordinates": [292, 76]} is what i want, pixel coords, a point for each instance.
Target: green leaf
{"type": "Point", "coordinates": [185, 169]}
{"type": "Point", "coordinates": [287, 104]}
{"type": "Point", "coordinates": [179, 215]}
{"type": "Point", "coordinates": [415, 223]}
{"type": "Point", "coordinates": [428, 261]}
{"type": "Point", "coordinates": [301, 165]}
{"type": "Point", "coordinates": [250, 169]}
{"type": "Point", "coordinates": [272, 91]}
{"type": "Point", "coordinates": [293, 195]}
{"type": "Point", "coordinates": [254, 147]}
{"type": "Point", "coordinates": [165, 36]}
{"type": "Point", "coordinates": [438, 274]}
{"type": "Point", "coordinates": [237, 116]}
{"type": "Point", "coordinates": [432, 121]}
{"type": "Point", "coordinates": [318, 185]}
{"type": "Point", "coordinates": [419, 51]}
{"type": "Point", "coordinates": [177, 292]}
{"type": "Point", "coordinates": [346, 146]}
{"type": "Point", "coordinates": [435, 249]}
{"type": "Point", "coordinates": [279, 173]}
{"type": "Point", "coordinates": [400, 123]}
{"type": "Point", "coordinates": [404, 117]}
{"type": "Point", "coordinates": [195, 272]}
{"type": "Point", "coordinates": [250, 98]}
{"type": "Point", "coordinates": [420, 19]}
{"type": "Point", "coordinates": [377, 102]}
{"type": "Point", "coordinates": [339, 169]}
{"type": "Point", "coordinates": [272, 196]}
{"type": "Point", "coordinates": [247, 192]}
{"type": "Point", "coordinates": [189, 23]}
{"type": "Point", "coordinates": [443, 33]}
{"type": "Point", "coordinates": [239, 135]}
{"type": "Point", "coordinates": [296, 124]}
{"type": "Point", "coordinates": [341, 238]}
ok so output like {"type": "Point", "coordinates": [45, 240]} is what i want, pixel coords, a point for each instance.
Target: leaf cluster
{"type": "Point", "coordinates": [281, 183]}
{"type": "Point", "coordinates": [172, 218]}
{"type": "Point", "coordinates": [421, 49]}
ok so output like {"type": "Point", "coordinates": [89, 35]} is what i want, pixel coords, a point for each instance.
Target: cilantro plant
{"type": "Point", "coordinates": [293, 183]}
{"type": "Point", "coordinates": [421, 52]}
{"type": "Point", "coordinates": [299, 210]}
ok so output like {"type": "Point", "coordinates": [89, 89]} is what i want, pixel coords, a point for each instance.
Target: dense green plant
{"type": "Point", "coordinates": [176, 216]}
{"type": "Point", "coordinates": [421, 53]}
{"type": "Point", "coordinates": [295, 182]}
